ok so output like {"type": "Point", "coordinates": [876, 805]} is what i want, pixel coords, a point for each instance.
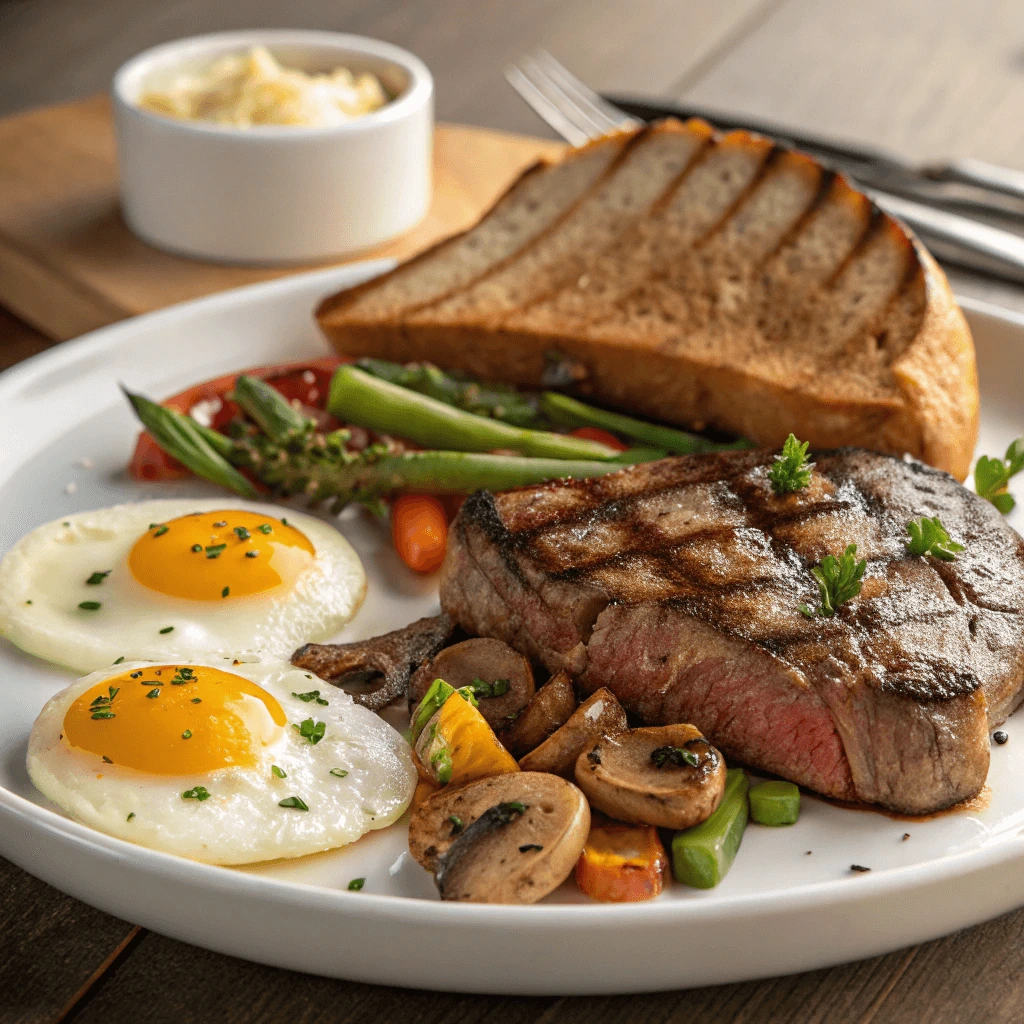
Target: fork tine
{"type": "Point", "coordinates": [545, 108]}
{"type": "Point", "coordinates": [600, 111]}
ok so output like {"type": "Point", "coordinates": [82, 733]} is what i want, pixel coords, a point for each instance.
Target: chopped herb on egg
{"type": "Point", "coordinates": [187, 734]}
{"type": "Point", "coordinates": [155, 692]}
{"type": "Point", "coordinates": [97, 578]}
{"type": "Point", "coordinates": [278, 773]}
{"type": "Point", "coordinates": [135, 675]}
{"type": "Point", "coordinates": [339, 773]}
{"type": "Point", "coordinates": [131, 814]}
{"type": "Point", "coordinates": [265, 528]}
{"type": "Point", "coordinates": [197, 700]}
{"type": "Point", "coordinates": [197, 548]}
{"type": "Point", "coordinates": [311, 731]}
{"type": "Point", "coordinates": [225, 592]}
{"type": "Point", "coordinates": [293, 801]}
{"type": "Point", "coordinates": [310, 696]}
{"type": "Point", "coordinates": [242, 533]}
{"type": "Point", "coordinates": [252, 554]}
{"type": "Point", "coordinates": [167, 629]}
{"type": "Point", "coordinates": [214, 550]}
{"type": "Point", "coordinates": [90, 606]}
{"type": "Point", "coordinates": [199, 793]}
{"type": "Point", "coordinates": [182, 675]}
{"type": "Point", "coordinates": [161, 530]}
{"type": "Point", "coordinates": [220, 523]}
{"type": "Point", "coordinates": [119, 660]}
{"type": "Point", "coordinates": [105, 758]}
{"type": "Point", "coordinates": [356, 884]}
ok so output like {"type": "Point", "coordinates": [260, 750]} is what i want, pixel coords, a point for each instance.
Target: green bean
{"type": "Point", "coordinates": [775, 803]}
{"type": "Point", "coordinates": [702, 855]}
{"type": "Point", "coordinates": [573, 413]}
{"type": "Point", "coordinates": [359, 398]}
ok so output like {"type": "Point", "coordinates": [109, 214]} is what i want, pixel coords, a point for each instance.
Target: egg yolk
{"type": "Point", "coordinates": [174, 720]}
{"type": "Point", "coordinates": [216, 556]}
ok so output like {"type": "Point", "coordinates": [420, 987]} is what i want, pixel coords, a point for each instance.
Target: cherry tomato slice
{"type": "Point", "coordinates": [603, 436]}
{"type": "Point", "coordinates": [419, 529]}
{"type": "Point", "coordinates": [307, 380]}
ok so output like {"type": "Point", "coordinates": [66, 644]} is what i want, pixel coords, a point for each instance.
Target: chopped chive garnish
{"type": "Point", "coordinates": [197, 700]}
{"type": "Point", "coordinates": [183, 675]}
{"type": "Point", "coordinates": [105, 758]}
{"type": "Point", "coordinates": [131, 814]}
{"type": "Point", "coordinates": [135, 675]}
{"type": "Point", "coordinates": [311, 731]}
{"type": "Point", "coordinates": [197, 548]}
{"type": "Point", "coordinates": [213, 550]}
{"type": "Point", "coordinates": [242, 533]}
{"type": "Point", "coordinates": [252, 554]}
{"type": "Point", "coordinates": [167, 629]}
{"type": "Point", "coordinates": [356, 884]}
{"type": "Point", "coordinates": [339, 773]}
{"type": "Point", "coordinates": [90, 606]}
{"type": "Point", "coordinates": [155, 692]}
{"type": "Point", "coordinates": [265, 528]}
{"type": "Point", "coordinates": [28, 602]}
{"type": "Point", "coordinates": [225, 592]}
{"type": "Point", "coordinates": [284, 522]}
{"type": "Point", "coordinates": [161, 531]}
{"type": "Point", "coordinates": [199, 793]}
{"type": "Point", "coordinates": [293, 801]}
{"type": "Point", "coordinates": [221, 522]}
{"type": "Point", "coordinates": [119, 660]}
{"type": "Point", "coordinates": [312, 695]}
{"type": "Point", "coordinates": [97, 577]}
{"type": "Point", "coordinates": [278, 773]}
{"type": "Point", "coordinates": [187, 734]}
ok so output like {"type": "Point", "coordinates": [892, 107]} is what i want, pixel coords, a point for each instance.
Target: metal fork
{"type": "Point", "coordinates": [579, 114]}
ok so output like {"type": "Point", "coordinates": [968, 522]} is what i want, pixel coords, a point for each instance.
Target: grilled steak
{"type": "Point", "coordinates": [677, 584]}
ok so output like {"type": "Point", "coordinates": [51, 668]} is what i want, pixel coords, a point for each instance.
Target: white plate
{"type": "Point", "coordinates": [779, 910]}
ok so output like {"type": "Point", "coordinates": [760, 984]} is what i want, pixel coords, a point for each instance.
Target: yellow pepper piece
{"type": "Point", "coordinates": [457, 745]}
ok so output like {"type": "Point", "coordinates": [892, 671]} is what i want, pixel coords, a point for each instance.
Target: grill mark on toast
{"type": "Point", "coordinates": [770, 157]}
{"type": "Point", "coordinates": [875, 224]}
{"type": "Point", "coordinates": [495, 268]}
{"type": "Point", "coordinates": [790, 236]}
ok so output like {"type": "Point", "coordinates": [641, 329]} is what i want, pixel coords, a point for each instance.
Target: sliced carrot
{"type": "Point", "coordinates": [603, 436]}
{"type": "Point", "coordinates": [419, 528]}
{"type": "Point", "coordinates": [621, 863]}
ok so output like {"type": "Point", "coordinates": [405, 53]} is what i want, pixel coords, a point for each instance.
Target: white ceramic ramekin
{"type": "Point", "coordinates": [275, 194]}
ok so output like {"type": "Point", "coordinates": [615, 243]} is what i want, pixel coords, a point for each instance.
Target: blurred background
{"type": "Point", "coordinates": [925, 78]}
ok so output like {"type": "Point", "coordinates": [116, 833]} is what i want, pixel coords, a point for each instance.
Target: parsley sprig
{"type": "Point", "coordinates": [791, 471]}
{"type": "Point", "coordinates": [992, 475]}
{"type": "Point", "coordinates": [929, 537]}
{"type": "Point", "coordinates": [839, 580]}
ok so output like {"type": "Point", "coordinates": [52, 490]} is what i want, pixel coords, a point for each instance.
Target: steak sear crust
{"type": "Point", "coordinates": [677, 584]}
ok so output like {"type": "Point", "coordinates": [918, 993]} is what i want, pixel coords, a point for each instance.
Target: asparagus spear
{"type": "Point", "coordinates": [356, 397]}
{"type": "Point", "coordinates": [497, 401]}
{"type": "Point", "coordinates": [320, 468]}
{"type": "Point", "coordinates": [571, 412]}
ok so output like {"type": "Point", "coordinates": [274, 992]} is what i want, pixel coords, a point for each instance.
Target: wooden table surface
{"type": "Point", "coordinates": [927, 80]}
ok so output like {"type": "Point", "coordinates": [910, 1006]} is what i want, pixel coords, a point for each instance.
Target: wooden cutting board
{"type": "Point", "coordinates": [68, 263]}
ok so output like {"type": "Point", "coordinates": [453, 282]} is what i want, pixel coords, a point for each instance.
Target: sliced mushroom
{"type": "Point", "coordinates": [393, 656]}
{"type": "Point", "coordinates": [552, 706]}
{"type": "Point", "coordinates": [669, 776]}
{"type": "Point", "coordinates": [505, 674]}
{"type": "Point", "coordinates": [599, 715]}
{"type": "Point", "coordinates": [506, 839]}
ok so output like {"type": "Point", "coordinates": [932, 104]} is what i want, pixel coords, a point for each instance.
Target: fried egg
{"type": "Point", "coordinates": [175, 580]}
{"type": "Point", "coordinates": [228, 765]}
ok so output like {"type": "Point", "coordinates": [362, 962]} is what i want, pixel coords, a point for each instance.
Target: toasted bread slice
{"type": "Point", "coordinates": [700, 279]}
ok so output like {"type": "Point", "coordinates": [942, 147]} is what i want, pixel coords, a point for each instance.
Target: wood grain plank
{"type": "Point", "coordinates": [198, 986]}
{"type": "Point", "coordinates": [52, 945]}
{"type": "Point", "coordinates": [973, 976]}
{"type": "Point", "coordinates": [60, 48]}
{"type": "Point", "coordinates": [927, 81]}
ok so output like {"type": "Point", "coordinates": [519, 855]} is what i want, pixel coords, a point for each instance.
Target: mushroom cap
{"type": "Point", "coordinates": [646, 776]}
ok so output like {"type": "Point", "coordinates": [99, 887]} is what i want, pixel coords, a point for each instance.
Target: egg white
{"type": "Point", "coordinates": [42, 582]}
{"type": "Point", "coordinates": [241, 822]}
